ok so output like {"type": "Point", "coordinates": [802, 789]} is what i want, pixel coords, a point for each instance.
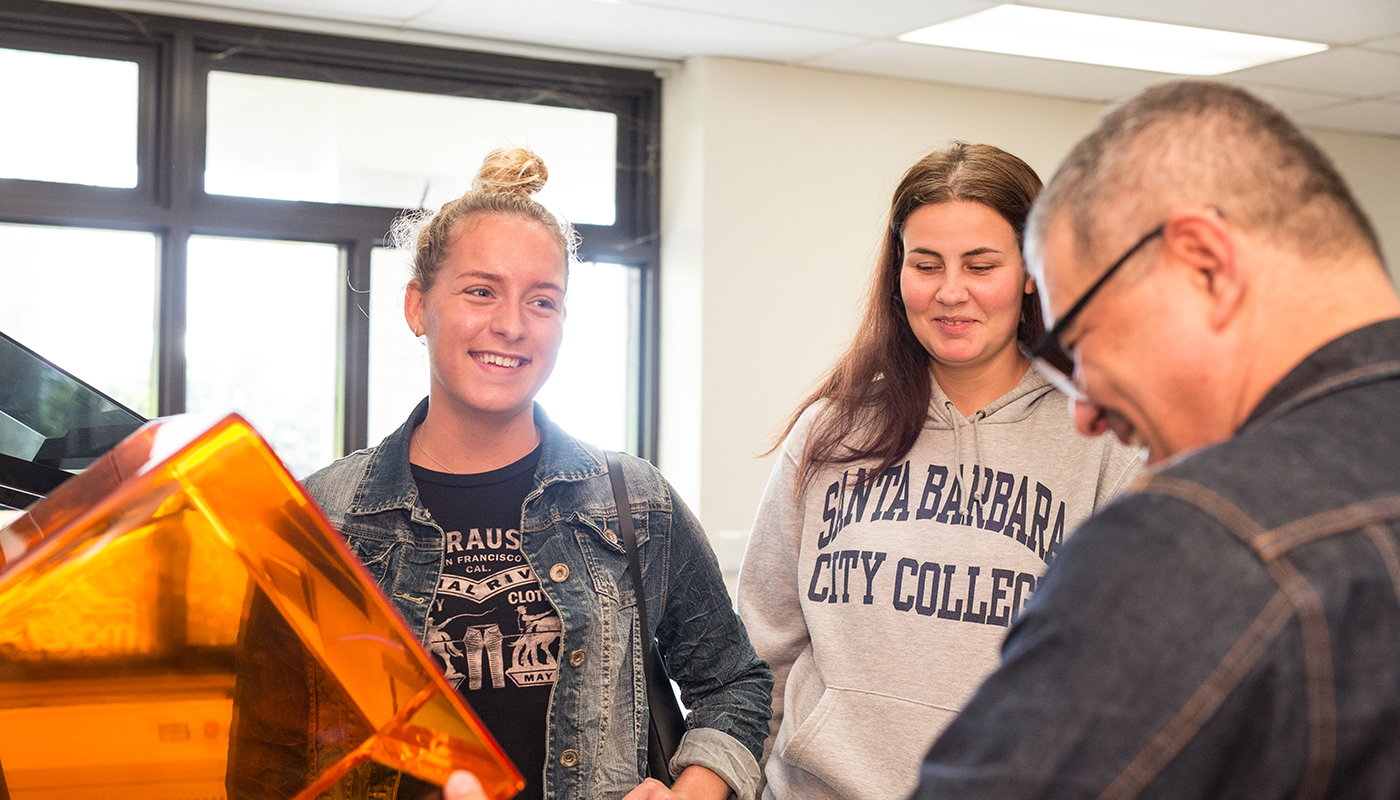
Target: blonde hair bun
{"type": "Point", "coordinates": [511, 170]}
{"type": "Point", "coordinates": [503, 185]}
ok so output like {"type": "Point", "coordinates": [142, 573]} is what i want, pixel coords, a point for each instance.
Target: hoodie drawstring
{"type": "Point", "coordinates": [958, 421]}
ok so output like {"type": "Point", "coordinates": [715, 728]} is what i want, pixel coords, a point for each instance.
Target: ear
{"type": "Point", "coordinates": [413, 306]}
{"type": "Point", "coordinates": [1201, 241]}
{"type": "Point", "coordinates": [1030, 283]}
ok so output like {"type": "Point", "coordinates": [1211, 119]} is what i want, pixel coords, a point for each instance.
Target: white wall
{"type": "Point", "coordinates": [1371, 166]}
{"type": "Point", "coordinates": [775, 183]}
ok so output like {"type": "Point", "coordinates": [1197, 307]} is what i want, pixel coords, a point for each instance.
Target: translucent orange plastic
{"type": "Point", "coordinates": [122, 596]}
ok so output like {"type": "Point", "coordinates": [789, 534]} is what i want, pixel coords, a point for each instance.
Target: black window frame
{"type": "Point", "coordinates": [175, 56]}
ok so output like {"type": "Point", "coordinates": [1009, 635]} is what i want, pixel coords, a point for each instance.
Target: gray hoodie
{"type": "Point", "coordinates": [881, 607]}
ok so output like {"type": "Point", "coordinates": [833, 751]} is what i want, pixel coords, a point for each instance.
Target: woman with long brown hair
{"type": "Point", "coordinates": [919, 493]}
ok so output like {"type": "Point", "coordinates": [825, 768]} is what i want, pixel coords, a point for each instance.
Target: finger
{"type": "Point", "coordinates": [463, 786]}
{"type": "Point", "coordinates": [649, 789]}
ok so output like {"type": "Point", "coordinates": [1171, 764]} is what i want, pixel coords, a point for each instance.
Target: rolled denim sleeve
{"type": "Point", "coordinates": [726, 686]}
{"type": "Point", "coordinates": [723, 755]}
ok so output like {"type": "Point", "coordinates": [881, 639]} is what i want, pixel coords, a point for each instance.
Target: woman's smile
{"type": "Point", "coordinates": [954, 325]}
{"type": "Point", "coordinates": [499, 360]}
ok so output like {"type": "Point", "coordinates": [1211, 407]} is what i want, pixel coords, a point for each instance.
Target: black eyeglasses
{"type": "Point", "coordinates": [1063, 382]}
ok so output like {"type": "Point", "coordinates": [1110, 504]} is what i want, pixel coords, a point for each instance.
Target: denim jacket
{"type": "Point", "coordinates": [598, 717]}
{"type": "Point", "coordinates": [1230, 629]}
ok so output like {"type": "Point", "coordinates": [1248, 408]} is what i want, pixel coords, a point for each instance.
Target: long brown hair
{"type": "Point", "coordinates": [878, 391]}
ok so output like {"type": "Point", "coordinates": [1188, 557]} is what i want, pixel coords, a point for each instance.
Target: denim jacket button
{"type": "Point", "coordinates": [559, 573]}
{"type": "Point", "coordinates": [577, 658]}
{"type": "Point", "coordinates": [568, 758]}
{"type": "Point", "coordinates": [610, 536]}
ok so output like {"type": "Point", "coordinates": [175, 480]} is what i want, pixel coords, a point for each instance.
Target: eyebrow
{"type": "Point", "coordinates": [497, 278]}
{"type": "Point", "coordinates": [976, 251]}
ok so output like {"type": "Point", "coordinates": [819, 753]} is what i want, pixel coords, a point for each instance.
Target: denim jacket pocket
{"type": "Point", "coordinates": [374, 550]}
{"type": "Point", "coordinates": [398, 565]}
{"type": "Point", "coordinates": [606, 557]}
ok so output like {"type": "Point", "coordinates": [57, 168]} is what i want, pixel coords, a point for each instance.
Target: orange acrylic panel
{"type": "Point", "coordinates": [125, 594]}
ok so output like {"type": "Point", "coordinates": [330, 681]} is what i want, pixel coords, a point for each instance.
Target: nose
{"type": "Point", "coordinates": [952, 290]}
{"type": "Point", "coordinates": [509, 322]}
{"type": "Point", "coordinates": [1089, 419]}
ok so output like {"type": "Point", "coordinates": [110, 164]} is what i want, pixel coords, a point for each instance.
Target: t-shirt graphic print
{"type": "Point", "coordinates": [503, 627]}
{"type": "Point", "coordinates": [491, 628]}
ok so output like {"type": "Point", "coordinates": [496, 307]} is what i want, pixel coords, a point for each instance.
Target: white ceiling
{"type": "Point", "coordinates": [1354, 86]}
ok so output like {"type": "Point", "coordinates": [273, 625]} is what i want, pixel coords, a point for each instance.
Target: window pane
{"type": "Point", "coordinates": [305, 140]}
{"type": "Point", "coordinates": [261, 340]}
{"type": "Point", "coordinates": [69, 120]}
{"type": "Point", "coordinates": [85, 300]}
{"type": "Point", "coordinates": [589, 392]}
{"type": "Point", "coordinates": [398, 362]}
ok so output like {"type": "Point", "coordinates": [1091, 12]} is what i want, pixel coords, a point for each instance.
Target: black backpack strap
{"type": "Point", "coordinates": [666, 723]}
{"type": "Point", "coordinates": [629, 540]}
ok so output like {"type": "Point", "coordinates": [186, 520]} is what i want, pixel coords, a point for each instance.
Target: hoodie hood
{"type": "Point", "coordinates": [1014, 406]}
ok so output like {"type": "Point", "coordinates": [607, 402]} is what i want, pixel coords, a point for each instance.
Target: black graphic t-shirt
{"type": "Point", "coordinates": [491, 629]}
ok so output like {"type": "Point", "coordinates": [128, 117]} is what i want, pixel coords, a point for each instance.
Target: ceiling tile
{"type": "Point", "coordinates": [1292, 101]}
{"type": "Point", "coordinates": [1372, 117]}
{"type": "Point", "coordinates": [629, 29]}
{"type": "Point", "coordinates": [1390, 45]}
{"type": "Point", "coordinates": [990, 70]}
{"type": "Point", "coordinates": [1334, 22]}
{"type": "Point", "coordinates": [1358, 73]}
{"type": "Point", "coordinates": [885, 19]}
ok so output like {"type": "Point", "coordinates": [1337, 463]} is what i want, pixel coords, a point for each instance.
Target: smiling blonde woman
{"type": "Point", "coordinates": [495, 534]}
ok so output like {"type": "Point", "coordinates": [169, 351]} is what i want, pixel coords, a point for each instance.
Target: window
{"type": "Point", "coordinates": [260, 339]}
{"type": "Point", "coordinates": [597, 335]}
{"type": "Point", "coordinates": [90, 139]}
{"type": "Point", "coordinates": [86, 300]}
{"type": "Point", "coordinates": [308, 140]}
{"type": "Point", "coordinates": [193, 217]}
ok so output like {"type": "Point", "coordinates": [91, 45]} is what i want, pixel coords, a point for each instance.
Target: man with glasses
{"type": "Point", "coordinates": [1232, 627]}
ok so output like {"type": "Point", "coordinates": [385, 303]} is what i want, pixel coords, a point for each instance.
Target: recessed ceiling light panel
{"type": "Point", "coordinates": [1109, 41]}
